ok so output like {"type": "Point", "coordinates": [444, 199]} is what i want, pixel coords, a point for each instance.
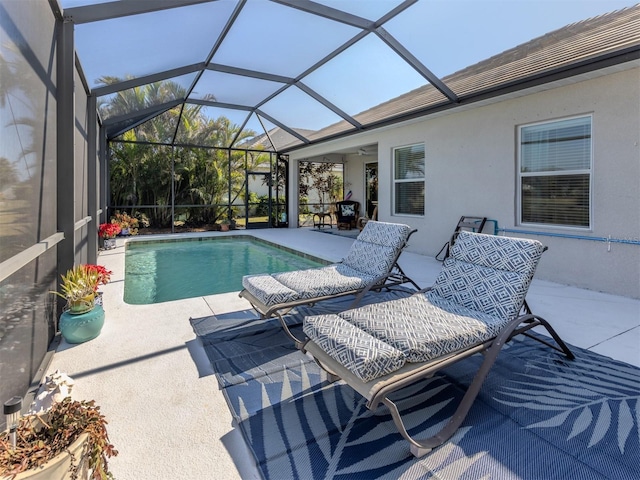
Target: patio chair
{"type": "Point", "coordinates": [371, 264]}
{"type": "Point", "coordinates": [347, 212]}
{"type": "Point", "coordinates": [469, 224]}
{"type": "Point", "coordinates": [473, 307]}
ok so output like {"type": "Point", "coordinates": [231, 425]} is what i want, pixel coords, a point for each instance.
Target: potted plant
{"type": "Point", "coordinates": [78, 288]}
{"type": "Point", "coordinates": [68, 441]}
{"type": "Point", "coordinates": [82, 319]}
{"type": "Point", "coordinates": [128, 224]}
{"type": "Point", "coordinates": [107, 233]}
{"type": "Point", "coordinates": [224, 225]}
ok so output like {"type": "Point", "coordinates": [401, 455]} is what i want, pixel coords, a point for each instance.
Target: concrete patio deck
{"type": "Point", "coordinates": [166, 415]}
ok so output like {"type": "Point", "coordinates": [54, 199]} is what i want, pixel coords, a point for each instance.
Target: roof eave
{"type": "Point", "coordinates": [619, 57]}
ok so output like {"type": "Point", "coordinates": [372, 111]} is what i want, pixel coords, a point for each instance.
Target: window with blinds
{"type": "Point", "coordinates": [555, 173]}
{"type": "Point", "coordinates": [409, 180]}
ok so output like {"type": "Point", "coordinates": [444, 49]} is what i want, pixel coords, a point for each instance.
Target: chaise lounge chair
{"type": "Point", "coordinates": [370, 264]}
{"type": "Point", "coordinates": [466, 223]}
{"type": "Point", "coordinates": [473, 307]}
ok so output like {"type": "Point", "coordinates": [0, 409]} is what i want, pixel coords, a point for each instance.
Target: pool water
{"type": "Point", "coordinates": [161, 271]}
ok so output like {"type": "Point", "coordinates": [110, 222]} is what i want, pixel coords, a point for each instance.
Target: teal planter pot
{"type": "Point", "coordinates": [83, 327]}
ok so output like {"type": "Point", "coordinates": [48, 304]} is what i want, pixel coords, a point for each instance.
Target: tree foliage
{"type": "Point", "coordinates": [148, 173]}
{"type": "Point", "coordinates": [321, 177]}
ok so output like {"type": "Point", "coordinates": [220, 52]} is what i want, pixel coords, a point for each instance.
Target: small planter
{"type": "Point", "coordinates": [59, 467]}
{"type": "Point", "coordinates": [107, 243]}
{"type": "Point", "coordinates": [83, 327]}
{"type": "Point", "coordinates": [124, 232]}
{"type": "Point", "coordinates": [68, 440]}
{"type": "Point", "coordinates": [224, 227]}
{"type": "Point", "coordinates": [98, 300]}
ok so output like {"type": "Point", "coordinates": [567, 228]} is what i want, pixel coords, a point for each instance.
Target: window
{"type": "Point", "coordinates": [555, 173]}
{"type": "Point", "coordinates": [408, 180]}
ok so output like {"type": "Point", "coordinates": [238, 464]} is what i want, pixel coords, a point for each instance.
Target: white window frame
{"type": "Point", "coordinates": [586, 171]}
{"type": "Point", "coordinates": [408, 180]}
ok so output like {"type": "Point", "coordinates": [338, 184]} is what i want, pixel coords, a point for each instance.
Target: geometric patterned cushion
{"type": "Point", "coordinates": [371, 255]}
{"type": "Point", "coordinates": [424, 327]}
{"type": "Point", "coordinates": [377, 247]}
{"type": "Point", "coordinates": [488, 274]}
{"type": "Point", "coordinates": [267, 289]}
{"type": "Point", "coordinates": [481, 287]}
{"type": "Point", "coordinates": [375, 260]}
{"type": "Point", "coordinates": [383, 233]}
{"type": "Point", "coordinates": [499, 253]}
{"type": "Point", "coordinates": [359, 352]}
{"type": "Point", "coordinates": [308, 283]}
{"type": "Point", "coordinates": [329, 280]}
{"type": "Point", "coordinates": [347, 210]}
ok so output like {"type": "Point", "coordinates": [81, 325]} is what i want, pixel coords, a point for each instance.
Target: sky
{"type": "Point", "coordinates": [472, 31]}
{"type": "Point", "coordinates": [445, 35]}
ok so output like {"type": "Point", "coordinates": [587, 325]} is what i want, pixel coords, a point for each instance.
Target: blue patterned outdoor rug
{"type": "Point", "coordinates": [539, 416]}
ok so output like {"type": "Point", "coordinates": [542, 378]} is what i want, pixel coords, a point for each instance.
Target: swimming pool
{"type": "Point", "coordinates": [164, 270]}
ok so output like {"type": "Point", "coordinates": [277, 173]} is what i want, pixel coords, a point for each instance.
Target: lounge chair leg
{"type": "Point", "coordinates": [531, 321]}
{"type": "Point", "coordinates": [299, 343]}
{"type": "Point", "coordinates": [423, 447]}
{"type": "Point", "coordinates": [405, 278]}
{"type": "Point", "coordinates": [419, 451]}
{"type": "Point", "coordinates": [556, 337]}
{"type": "Point", "coordinates": [332, 377]}
{"type": "Point", "coordinates": [418, 448]}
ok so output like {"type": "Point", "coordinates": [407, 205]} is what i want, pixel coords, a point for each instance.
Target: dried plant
{"type": "Point", "coordinates": [41, 437]}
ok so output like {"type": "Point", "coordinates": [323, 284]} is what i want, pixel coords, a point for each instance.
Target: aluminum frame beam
{"type": "Point", "coordinates": [116, 9]}
{"type": "Point", "coordinates": [416, 64]}
{"type": "Point", "coordinates": [225, 30]}
{"type": "Point", "coordinates": [282, 126]}
{"type": "Point", "coordinates": [66, 116]}
{"type": "Point", "coordinates": [147, 79]}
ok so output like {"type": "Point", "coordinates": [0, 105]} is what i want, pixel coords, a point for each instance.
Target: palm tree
{"type": "Point", "coordinates": [206, 180]}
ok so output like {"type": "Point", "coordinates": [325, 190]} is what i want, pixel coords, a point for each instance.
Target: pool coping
{"type": "Point", "coordinates": [203, 237]}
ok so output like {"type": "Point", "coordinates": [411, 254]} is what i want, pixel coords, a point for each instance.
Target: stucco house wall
{"type": "Point", "coordinates": [354, 177]}
{"type": "Point", "coordinates": [471, 169]}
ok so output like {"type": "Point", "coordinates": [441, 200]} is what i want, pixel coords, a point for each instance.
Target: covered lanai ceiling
{"type": "Point", "coordinates": [298, 72]}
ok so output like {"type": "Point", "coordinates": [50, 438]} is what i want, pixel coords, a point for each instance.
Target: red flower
{"type": "Point", "coordinates": [109, 230]}
{"type": "Point", "coordinates": [103, 275]}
